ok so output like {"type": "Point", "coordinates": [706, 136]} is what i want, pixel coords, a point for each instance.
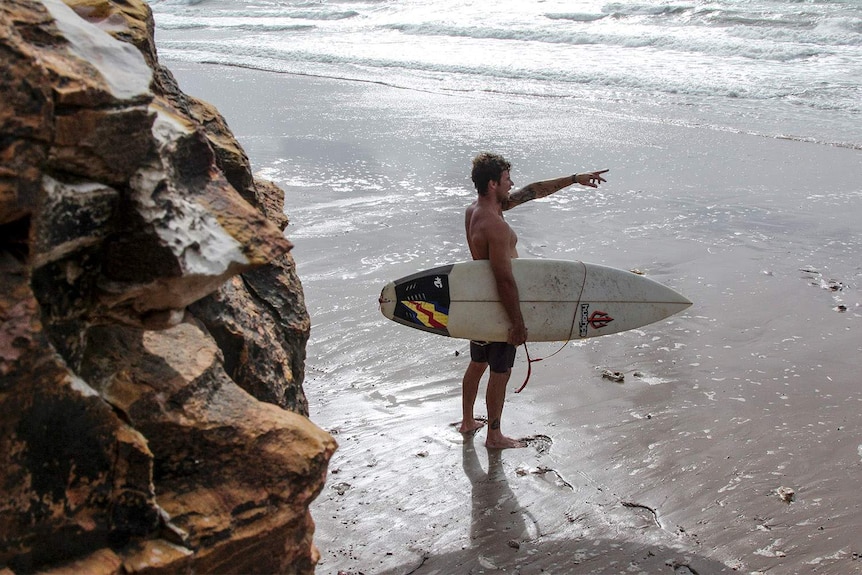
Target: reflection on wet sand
{"type": "Point", "coordinates": [499, 524]}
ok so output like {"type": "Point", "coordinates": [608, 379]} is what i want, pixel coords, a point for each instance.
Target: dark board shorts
{"type": "Point", "coordinates": [499, 355]}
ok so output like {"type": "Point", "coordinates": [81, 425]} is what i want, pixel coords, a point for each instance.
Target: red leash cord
{"type": "Point", "coordinates": [531, 361]}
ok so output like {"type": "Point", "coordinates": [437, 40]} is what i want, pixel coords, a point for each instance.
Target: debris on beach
{"type": "Point", "coordinates": [680, 566]}
{"type": "Point", "coordinates": [830, 285]}
{"type": "Point", "coordinates": [787, 494]}
{"type": "Point", "coordinates": [542, 471]}
{"type": "Point", "coordinates": [341, 488]}
{"type": "Point", "coordinates": [820, 281]}
{"type": "Point", "coordinates": [617, 376]}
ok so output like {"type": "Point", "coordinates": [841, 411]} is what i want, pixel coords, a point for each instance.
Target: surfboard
{"type": "Point", "coordinates": [560, 300]}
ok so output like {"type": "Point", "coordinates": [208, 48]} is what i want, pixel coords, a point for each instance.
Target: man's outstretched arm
{"type": "Point", "coordinates": [545, 188]}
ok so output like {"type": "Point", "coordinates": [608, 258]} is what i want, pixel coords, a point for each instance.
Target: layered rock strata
{"type": "Point", "coordinates": [152, 325]}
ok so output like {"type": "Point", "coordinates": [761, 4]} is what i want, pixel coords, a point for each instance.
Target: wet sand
{"type": "Point", "coordinates": [676, 469]}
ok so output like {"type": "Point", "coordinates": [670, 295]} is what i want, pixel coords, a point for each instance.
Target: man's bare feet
{"type": "Point", "coordinates": [471, 426]}
{"type": "Point", "coordinates": [504, 442]}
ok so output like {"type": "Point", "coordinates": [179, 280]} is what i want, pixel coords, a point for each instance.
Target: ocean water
{"type": "Point", "coordinates": [732, 130]}
{"type": "Point", "coordinates": [779, 68]}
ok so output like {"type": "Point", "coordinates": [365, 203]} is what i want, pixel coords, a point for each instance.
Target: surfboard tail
{"type": "Point", "coordinates": [420, 301]}
{"type": "Point", "coordinates": [387, 300]}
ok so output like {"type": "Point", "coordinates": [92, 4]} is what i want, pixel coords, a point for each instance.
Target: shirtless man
{"type": "Point", "coordinates": [490, 238]}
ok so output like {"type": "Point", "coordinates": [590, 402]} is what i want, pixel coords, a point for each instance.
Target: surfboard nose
{"type": "Point", "coordinates": [648, 290]}
{"type": "Point", "coordinates": [679, 300]}
{"type": "Point", "coordinates": [673, 301]}
{"type": "Point", "coordinates": [682, 301]}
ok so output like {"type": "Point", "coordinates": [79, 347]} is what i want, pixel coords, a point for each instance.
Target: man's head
{"type": "Point", "coordinates": [488, 167]}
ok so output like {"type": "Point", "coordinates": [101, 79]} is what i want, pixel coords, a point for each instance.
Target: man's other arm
{"type": "Point", "coordinates": [501, 265]}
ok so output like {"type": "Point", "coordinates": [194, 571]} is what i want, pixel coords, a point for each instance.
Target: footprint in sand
{"type": "Point", "coordinates": [541, 443]}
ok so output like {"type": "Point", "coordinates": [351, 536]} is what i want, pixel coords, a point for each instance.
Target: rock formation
{"type": "Point", "coordinates": [152, 325]}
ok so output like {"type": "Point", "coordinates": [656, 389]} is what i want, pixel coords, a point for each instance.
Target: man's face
{"type": "Point", "coordinates": [505, 184]}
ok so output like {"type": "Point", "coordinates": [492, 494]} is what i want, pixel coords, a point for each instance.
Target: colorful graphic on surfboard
{"type": "Point", "coordinates": [560, 300]}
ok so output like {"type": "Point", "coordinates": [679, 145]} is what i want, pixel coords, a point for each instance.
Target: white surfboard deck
{"type": "Point", "coordinates": [560, 300]}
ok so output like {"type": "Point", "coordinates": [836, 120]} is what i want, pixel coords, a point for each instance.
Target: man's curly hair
{"type": "Point", "coordinates": [488, 167]}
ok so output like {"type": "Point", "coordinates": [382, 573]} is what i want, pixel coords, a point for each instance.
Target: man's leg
{"type": "Point", "coordinates": [469, 391]}
{"type": "Point", "coordinates": [495, 397]}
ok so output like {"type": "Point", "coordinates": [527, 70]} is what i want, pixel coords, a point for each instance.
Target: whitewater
{"type": "Point", "coordinates": [777, 68]}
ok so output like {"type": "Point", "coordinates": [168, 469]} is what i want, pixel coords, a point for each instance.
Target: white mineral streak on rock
{"type": "Point", "coordinates": [56, 189]}
{"type": "Point", "coordinates": [168, 128]}
{"type": "Point", "coordinates": [82, 387]}
{"type": "Point", "coordinates": [121, 65]}
{"type": "Point", "coordinates": [192, 233]}
{"type": "Point", "coordinates": [210, 250]}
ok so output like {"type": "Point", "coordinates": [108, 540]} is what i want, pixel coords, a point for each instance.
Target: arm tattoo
{"type": "Point", "coordinates": [535, 191]}
{"type": "Point", "coordinates": [521, 196]}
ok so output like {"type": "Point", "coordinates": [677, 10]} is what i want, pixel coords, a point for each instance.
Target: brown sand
{"type": "Point", "coordinates": [674, 470]}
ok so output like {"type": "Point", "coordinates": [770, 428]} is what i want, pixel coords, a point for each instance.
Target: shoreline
{"type": "Point", "coordinates": [602, 107]}
{"type": "Point", "coordinates": [679, 467]}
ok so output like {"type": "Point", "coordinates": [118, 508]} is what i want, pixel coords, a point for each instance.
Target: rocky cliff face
{"type": "Point", "coordinates": [152, 326]}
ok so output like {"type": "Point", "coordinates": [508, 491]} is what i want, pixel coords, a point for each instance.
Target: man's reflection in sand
{"type": "Point", "coordinates": [499, 523]}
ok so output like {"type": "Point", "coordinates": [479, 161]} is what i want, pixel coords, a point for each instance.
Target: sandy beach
{"type": "Point", "coordinates": [734, 443]}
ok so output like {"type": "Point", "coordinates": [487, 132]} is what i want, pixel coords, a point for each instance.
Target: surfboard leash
{"type": "Point", "coordinates": [527, 351]}
{"type": "Point", "coordinates": [531, 361]}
